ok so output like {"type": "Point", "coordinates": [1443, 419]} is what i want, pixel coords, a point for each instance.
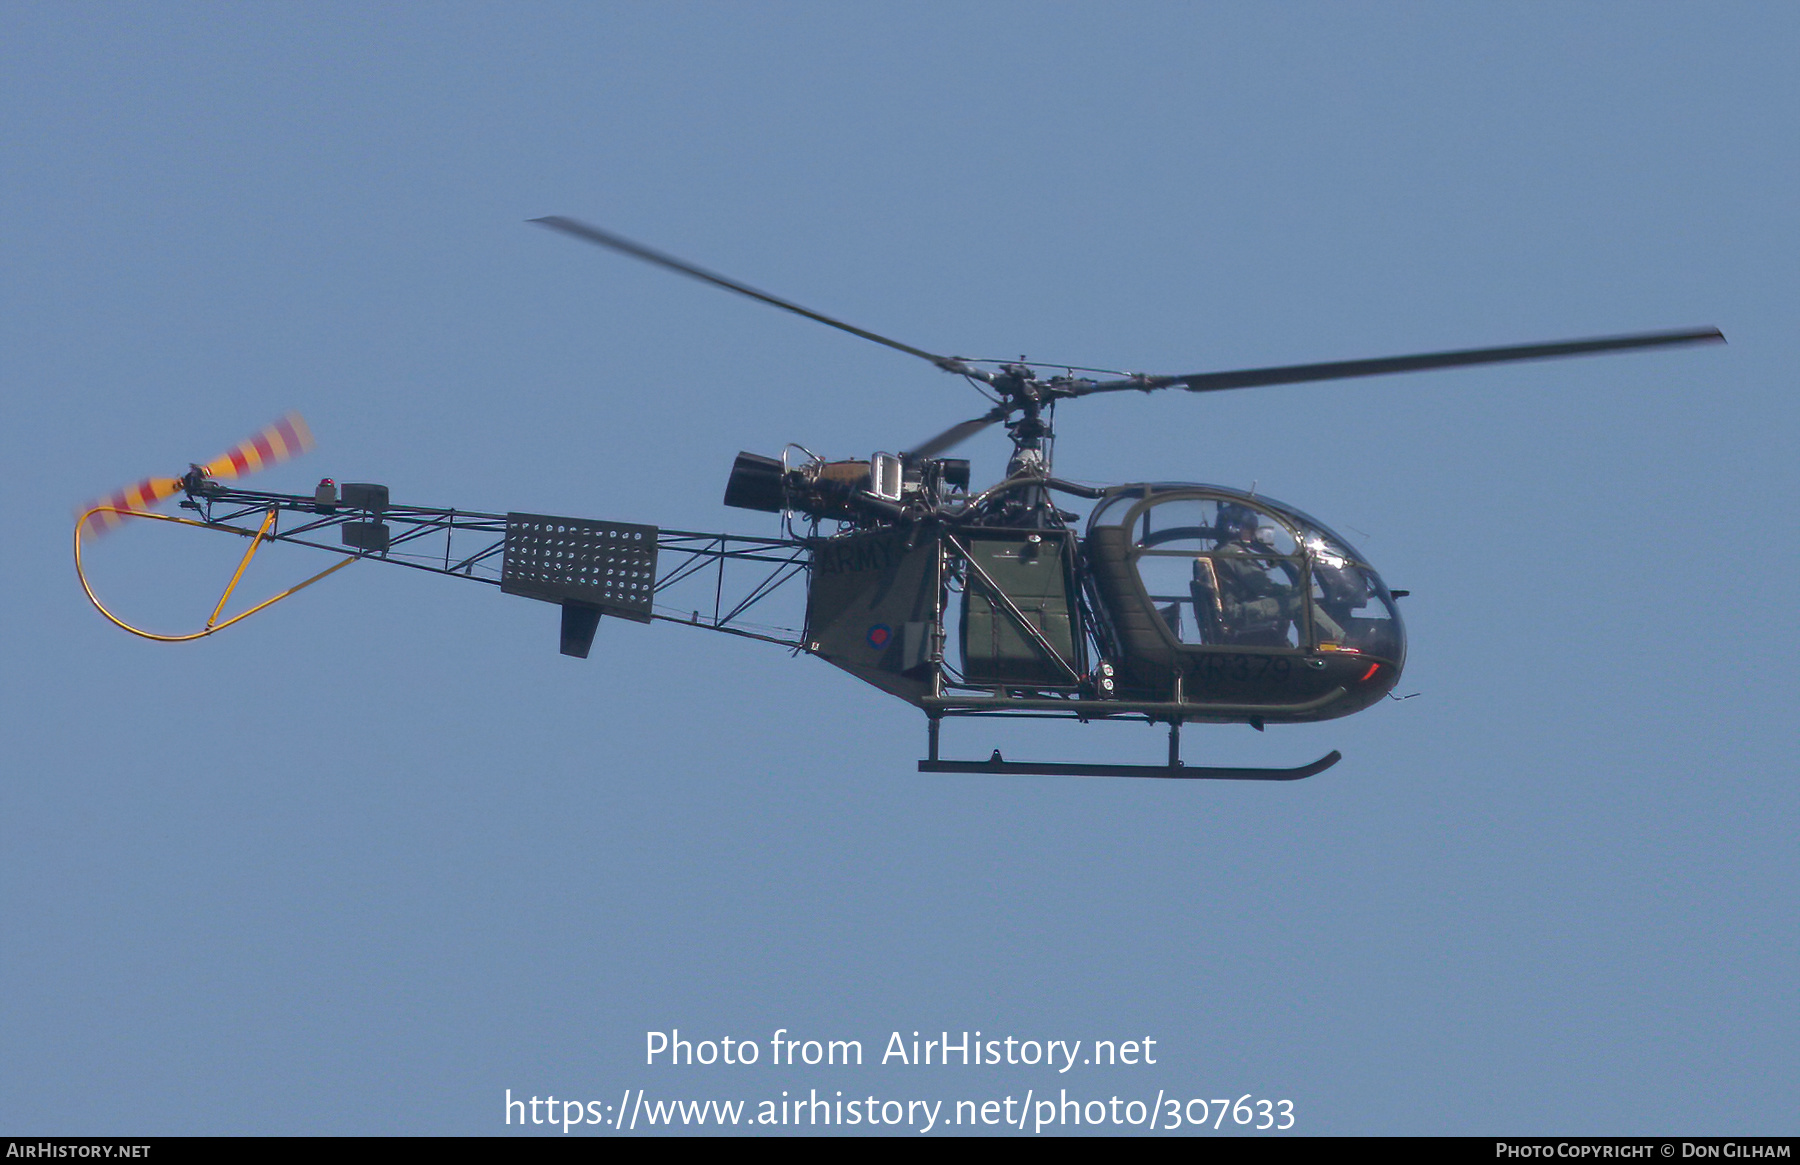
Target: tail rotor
{"type": "Point", "coordinates": [285, 439]}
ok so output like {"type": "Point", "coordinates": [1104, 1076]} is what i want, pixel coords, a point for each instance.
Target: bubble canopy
{"type": "Point", "coordinates": [1226, 570]}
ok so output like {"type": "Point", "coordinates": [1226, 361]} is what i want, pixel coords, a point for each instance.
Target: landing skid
{"type": "Point", "coordinates": [1174, 770]}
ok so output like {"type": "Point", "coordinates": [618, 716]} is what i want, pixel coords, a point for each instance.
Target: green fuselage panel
{"type": "Point", "coordinates": [1029, 574]}
{"type": "Point", "coordinates": [871, 605]}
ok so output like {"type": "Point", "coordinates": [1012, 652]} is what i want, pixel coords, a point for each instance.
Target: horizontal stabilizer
{"type": "Point", "coordinates": [610, 566]}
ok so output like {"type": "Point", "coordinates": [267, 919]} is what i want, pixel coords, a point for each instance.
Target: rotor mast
{"type": "Point", "coordinates": [1033, 443]}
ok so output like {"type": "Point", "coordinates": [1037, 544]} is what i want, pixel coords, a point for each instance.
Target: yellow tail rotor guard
{"type": "Point", "coordinates": [212, 623]}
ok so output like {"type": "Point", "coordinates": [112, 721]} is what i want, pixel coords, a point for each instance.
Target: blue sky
{"type": "Point", "coordinates": [371, 859]}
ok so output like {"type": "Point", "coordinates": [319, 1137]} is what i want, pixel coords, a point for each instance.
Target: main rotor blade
{"type": "Point", "coordinates": [1346, 369]}
{"type": "Point", "coordinates": [955, 435]}
{"type": "Point", "coordinates": [582, 230]}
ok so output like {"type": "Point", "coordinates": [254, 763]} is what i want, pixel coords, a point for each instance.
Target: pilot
{"type": "Point", "coordinates": [1255, 606]}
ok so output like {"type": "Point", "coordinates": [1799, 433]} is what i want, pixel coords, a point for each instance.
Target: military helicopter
{"type": "Point", "coordinates": [1173, 603]}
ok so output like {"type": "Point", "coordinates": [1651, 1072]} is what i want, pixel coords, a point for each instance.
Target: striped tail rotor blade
{"type": "Point", "coordinates": [139, 498]}
{"type": "Point", "coordinates": [287, 438]}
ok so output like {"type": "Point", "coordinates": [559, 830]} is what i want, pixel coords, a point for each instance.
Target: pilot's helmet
{"type": "Point", "coordinates": [1235, 518]}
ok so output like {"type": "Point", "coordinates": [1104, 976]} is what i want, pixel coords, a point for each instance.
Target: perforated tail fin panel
{"type": "Point", "coordinates": [608, 565]}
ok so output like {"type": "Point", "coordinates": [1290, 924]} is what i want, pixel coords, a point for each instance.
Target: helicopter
{"type": "Point", "coordinates": [1173, 603]}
